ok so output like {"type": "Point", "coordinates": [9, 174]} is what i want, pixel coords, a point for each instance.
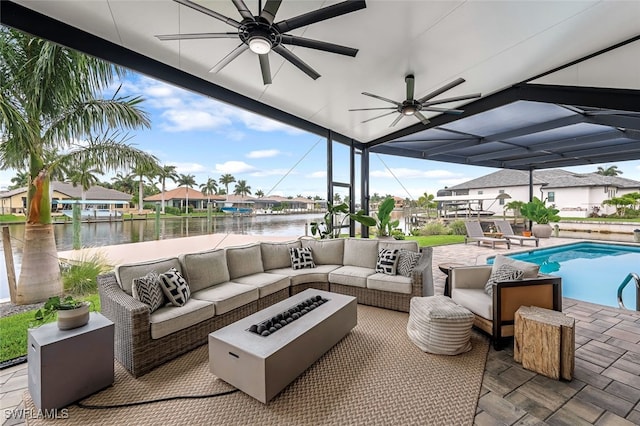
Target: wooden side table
{"type": "Point", "coordinates": [446, 268]}
{"type": "Point", "coordinates": [544, 341]}
{"type": "Point", "coordinates": [68, 365]}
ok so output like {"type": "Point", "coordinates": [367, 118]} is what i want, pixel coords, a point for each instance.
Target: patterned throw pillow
{"type": "Point", "coordinates": [301, 257]}
{"type": "Point", "coordinates": [387, 261]}
{"type": "Point", "coordinates": [148, 290]}
{"type": "Point", "coordinates": [503, 273]}
{"type": "Point", "coordinates": [175, 287]}
{"type": "Point", "coordinates": [407, 260]}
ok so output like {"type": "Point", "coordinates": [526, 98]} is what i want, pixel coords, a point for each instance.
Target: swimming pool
{"type": "Point", "coordinates": [590, 272]}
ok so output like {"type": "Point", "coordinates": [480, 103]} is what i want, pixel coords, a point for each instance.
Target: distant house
{"type": "Point", "coordinates": [15, 201]}
{"type": "Point", "coordinates": [574, 194]}
{"type": "Point", "coordinates": [178, 198]}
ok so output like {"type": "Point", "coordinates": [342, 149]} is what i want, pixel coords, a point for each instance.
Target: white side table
{"type": "Point", "coordinates": [65, 366]}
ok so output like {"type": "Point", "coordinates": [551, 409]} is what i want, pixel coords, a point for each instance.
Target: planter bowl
{"type": "Point", "coordinates": [542, 230]}
{"type": "Point", "coordinates": [73, 318]}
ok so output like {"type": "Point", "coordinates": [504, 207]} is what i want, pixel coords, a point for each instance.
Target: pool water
{"type": "Point", "coordinates": [590, 272]}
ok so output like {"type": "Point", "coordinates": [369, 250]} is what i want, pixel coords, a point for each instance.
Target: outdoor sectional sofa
{"type": "Point", "coordinates": [229, 284]}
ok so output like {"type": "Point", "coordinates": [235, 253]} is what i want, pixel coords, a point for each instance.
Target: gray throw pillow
{"type": "Point", "coordinates": [502, 273]}
{"type": "Point", "coordinates": [407, 260]}
{"type": "Point", "coordinates": [148, 290]}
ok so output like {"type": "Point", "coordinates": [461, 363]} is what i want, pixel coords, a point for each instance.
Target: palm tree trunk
{"type": "Point", "coordinates": [140, 194]}
{"type": "Point", "coordinates": [162, 196]}
{"type": "Point", "coordinates": [40, 272]}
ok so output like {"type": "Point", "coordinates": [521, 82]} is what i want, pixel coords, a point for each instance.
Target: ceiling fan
{"type": "Point", "coordinates": [261, 35]}
{"type": "Point", "coordinates": [411, 106]}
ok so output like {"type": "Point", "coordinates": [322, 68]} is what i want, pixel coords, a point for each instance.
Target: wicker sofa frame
{"type": "Point", "coordinates": [139, 353]}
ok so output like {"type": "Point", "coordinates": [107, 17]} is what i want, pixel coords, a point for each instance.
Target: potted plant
{"type": "Point", "coordinates": [330, 228]}
{"type": "Point", "coordinates": [72, 313]}
{"type": "Point", "coordinates": [384, 224]}
{"type": "Point", "coordinates": [538, 212]}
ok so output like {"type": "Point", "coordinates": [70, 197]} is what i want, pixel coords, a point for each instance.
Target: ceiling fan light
{"type": "Point", "coordinates": [409, 110]}
{"type": "Point", "coordinates": [259, 45]}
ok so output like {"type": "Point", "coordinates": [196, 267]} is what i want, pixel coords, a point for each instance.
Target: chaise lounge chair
{"type": "Point", "coordinates": [475, 233]}
{"type": "Point", "coordinates": [505, 228]}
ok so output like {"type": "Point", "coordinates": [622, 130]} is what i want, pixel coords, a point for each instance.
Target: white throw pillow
{"type": "Point", "coordinates": [175, 287]}
{"type": "Point", "coordinates": [387, 261]}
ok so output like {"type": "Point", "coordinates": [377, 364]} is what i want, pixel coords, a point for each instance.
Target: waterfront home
{"type": "Point", "coordinates": [15, 201]}
{"type": "Point", "coordinates": [181, 196]}
{"type": "Point", "coordinates": [574, 194]}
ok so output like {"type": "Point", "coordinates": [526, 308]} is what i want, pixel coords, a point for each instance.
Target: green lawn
{"type": "Point", "coordinates": [437, 240]}
{"type": "Point", "coordinates": [13, 330]}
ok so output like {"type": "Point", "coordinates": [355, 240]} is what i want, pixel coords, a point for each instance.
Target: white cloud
{"type": "Point", "coordinates": [187, 168]}
{"type": "Point", "coordinates": [234, 167]}
{"type": "Point", "coordinates": [272, 172]}
{"type": "Point", "coordinates": [405, 173]}
{"type": "Point", "coordinates": [264, 153]}
{"type": "Point", "coordinates": [321, 174]}
{"type": "Point", "coordinates": [184, 111]}
{"type": "Point", "coordinates": [185, 120]}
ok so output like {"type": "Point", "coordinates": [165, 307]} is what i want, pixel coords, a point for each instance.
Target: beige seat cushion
{"type": "Point", "coordinates": [228, 296]}
{"type": "Point", "coordinates": [204, 269]}
{"type": "Point", "coordinates": [354, 276]}
{"type": "Point", "coordinates": [244, 260]}
{"type": "Point", "coordinates": [392, 283]}
{"type": "Point", "coordinates": [276, 255]}
{"type": "Point", "coordinates": [266, 283]}
{"type": "Point", "coordinates": [325, 252]}
{"type": "Point", "coordinates": [319, 274]}
{"type": "Point", "coordinates": [438, 325]}
{"type": "Point", "coordinates": [360, 252]}
{"type": "Point", "coordinates": [169, 319]}
{"type": "Point", "coordinates": [126, 273]}
{"type": "Point", "coordinates": [474, 299]}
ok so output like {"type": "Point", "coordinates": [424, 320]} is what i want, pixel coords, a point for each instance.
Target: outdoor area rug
{"type": "Point", "coordinates": [375, 375]}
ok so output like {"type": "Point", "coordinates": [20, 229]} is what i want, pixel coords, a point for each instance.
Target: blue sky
{"type": "Point", "coordinates": [206, 138]}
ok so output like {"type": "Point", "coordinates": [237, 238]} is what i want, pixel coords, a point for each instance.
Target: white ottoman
{"type": "Point", "coordinates": [439, 325]}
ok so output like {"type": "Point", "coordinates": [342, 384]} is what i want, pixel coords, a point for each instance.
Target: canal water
{"type": "Point", "coordinates": [110, 233]}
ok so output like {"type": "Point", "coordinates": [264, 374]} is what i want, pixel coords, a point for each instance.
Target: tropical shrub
{"type": "Point", "coordinates": [434, 228]}
{"type": "Point", "coordinates": [80, 277]}
{"type": "Point", "coordinates": [539, 213]}
{"type": "Point", "coordinates": [457, 227]}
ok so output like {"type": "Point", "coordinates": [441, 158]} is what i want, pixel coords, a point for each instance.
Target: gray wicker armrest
{"type": "Point", "coordinates": [422, 274]}
{"type": "Point", "coordinates": [131, 317]}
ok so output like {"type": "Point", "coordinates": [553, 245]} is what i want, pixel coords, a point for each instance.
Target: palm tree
{"type": "Point", "coordinates": [242, 188]}
{"type": "Point", "coordinates": [188, 181]}
{"type": "Point", "coordinates": [209, 188]}
{"type": "Point", "coordinates": [20, 180]}
{"type": "Point", "coordinates": [609, 171]}
{"type": "Point", "coordinates": [84, 174]}
{"type": "Point", "coordinates": [48, 98]}
{"type": "Point", "coordinates": [225, 180]}
{"type": "Point", "coordinates": [124, 183]}
{"type": "Point", "coordinates": [259, 193]}
{"type": "Point", "coordinates": [166, 172]}
{"type": "Point", "coordinates": [142, 171]}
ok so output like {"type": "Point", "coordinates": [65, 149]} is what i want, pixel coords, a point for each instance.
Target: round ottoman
{"type": "Point", "coordinates": [439, 325]}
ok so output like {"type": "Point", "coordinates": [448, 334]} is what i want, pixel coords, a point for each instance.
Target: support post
{"type": "Point", "coordinates": [77, 244]}
{"type": "Point", "coordinates": [8, 259]}
{"type": "Point", "coordinates": [364, 186]}
{"type": "Point", "coordinates": [157, 222]}
{"type": "Point", "coordinates": [208, 217]}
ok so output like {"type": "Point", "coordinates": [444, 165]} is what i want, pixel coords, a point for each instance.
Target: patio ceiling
{"type": "Point", "coordinates": [560, 80]}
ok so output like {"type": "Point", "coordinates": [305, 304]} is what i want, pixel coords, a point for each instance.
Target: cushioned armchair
{"type": "Point", "coordinates": [494, 314]}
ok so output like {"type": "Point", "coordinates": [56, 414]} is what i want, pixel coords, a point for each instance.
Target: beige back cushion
{"type": "Point", "coordinates": [530, 269]}
{"type": "Point", "coordinates": [276, 255]}
{"type": "Point", "coordinates": [325, 252]}
{"type": "Point", "coordinates": [205, 268]}
{"type": "Point", "coordinates": [361, 252]}
{"type": "Point", "coordinates": [125, 273]}
{"type": "Point", "coordinates": [398, 244]}
{"type": "Point", "coordinates": [244, 260]}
